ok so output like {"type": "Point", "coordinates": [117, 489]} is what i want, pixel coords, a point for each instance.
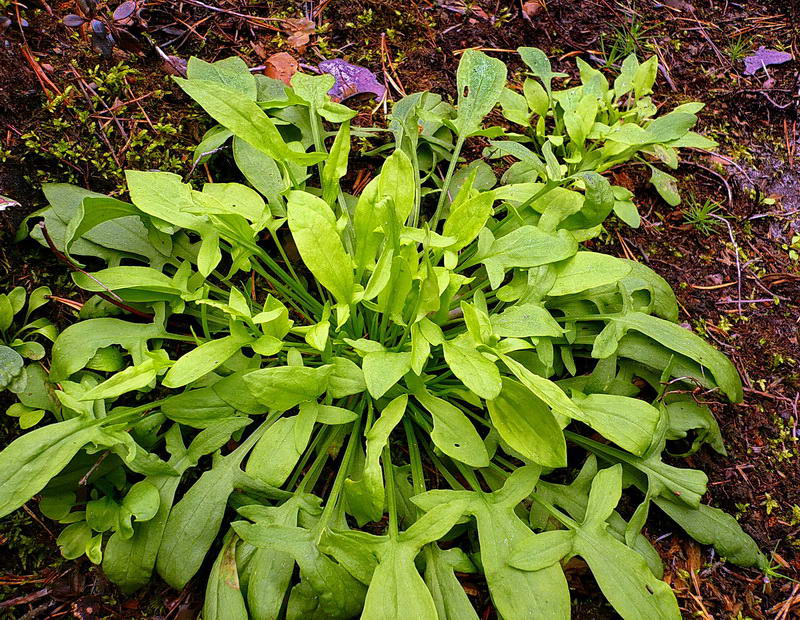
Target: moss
{"type": "Point", "coordinates": [84, 136]}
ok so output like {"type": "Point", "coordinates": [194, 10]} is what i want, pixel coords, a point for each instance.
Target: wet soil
{"type": "Point", "coordinates": [749, 307]}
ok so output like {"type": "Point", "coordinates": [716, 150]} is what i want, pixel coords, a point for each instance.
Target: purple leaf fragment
{"type": "Point", "coordinates": [73, 21]}
{"type": "Point", "coordinates": [763, 57]}
{"type": "Point", "coordinates": [351, 80]}
{"type": "Point", "coordinates": [124, 11]}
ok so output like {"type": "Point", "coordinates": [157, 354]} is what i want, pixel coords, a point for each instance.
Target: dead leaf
{"type": "Point", "coordinates": [281, 66]}
{"type": "Point", "coordinates": [763, 57]}
{"type": "Point", "coordinates": [299, 30]}
{"type": "Point", "coordinates": [532, 8]}
{"type": "Point", "coordinates": [351, 80]}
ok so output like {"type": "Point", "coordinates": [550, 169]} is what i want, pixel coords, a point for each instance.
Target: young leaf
{"type": "Point", "coordinates": [526, 424]}
{"type": "Point", "coordinates": [313, 227]}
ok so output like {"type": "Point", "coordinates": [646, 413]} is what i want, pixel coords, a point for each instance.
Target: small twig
{"type": "Point", "coordinates": [93, 468]}
{"type": "Point", "coordinates": [736, 256]}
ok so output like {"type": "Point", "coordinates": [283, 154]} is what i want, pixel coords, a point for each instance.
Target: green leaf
{"type": "Point", "coordinates": [681, 340]}
{"type": "Point", "coordinates": [277, 452]}
{"type": "Point", "coordinates": [11, 366]}
{"type": "Point", "coordinates": [202, 360]}
{"type": "Point", "coordinates": [313, 227]}
{"type": "Point", "coordinates": [629, 422]}
{"type": "Point", "coordinates": [245, 119]}
{"type": "Point", "coordinates": [526, 246]}
{"type": "Point", "coordinates": [477, 372]}
{"type": "Point", "coordinates": [480, 80]}
{"type": "Point", "coordinates": [383, 369]}
{"type": "Point", "coordinates": [371, 484]}
{"type": "Point", "coordinates": [467, 219]}
{"type": "Point", "coordinates": [539, 65]}
{"type": "Point", "coordinates": [135, 377]}
{"type": "Point", "coordinates": [77, 344]}
{"type": "Point", "coordinates": [129, 562]}
{"type": "Point", "coordinates": [666, 185]}
{"type": "Point", "coordinates": [346, 378]}
{"type": "Point", "coordinates": [621, 573]}
{"type": "Point", "coordinates": [230, 72]}
{"type": "Point", "coordinates": [448, 594]}
{"type": "Point", "coordinates": [453, 433]}
{"type": "Point", "coordinates": [336, 165]}
{"type": "Point", "coordinates": [712, 526]}
{"type": "Point", "coordinates": [195, 520]}
{"type": "Point", "coordinates": [526, 424]}
{"type": "Point", "coordinates": [30, 461]}
{"type": "Point", "coordinates": [283, 387]}
{"type": "Point", "coordinates": [526, 320]}
{"type": "Point", "coordinates": [260, 170]}
{"type": "Point", "coordinates": [223, 597]}
{"type": "Point", "coordinates": [515, 593]}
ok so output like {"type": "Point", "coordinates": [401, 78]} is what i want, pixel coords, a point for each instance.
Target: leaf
{"type": "Point", "coordinates": [467, 219]}
{"type": "Point", "coordinates": [195, 520]}
{"type": "Point", "coordinates": [229, 72]}
{"type": "Point", "coordinates": [283, 387]}
{"type": "Point", "coordinates": [682, 341]}
{"type": "Point", "coordinates": [383, 369]}
{"type": "Point", "coordinates": [336, 165]}
{"type": "Point", "coordinates": [448, 595]}
{"type": "Point", "coordinates": [30, 461]}
{"type": "Point", "coordinates": [371, 492]}
{"type": "Point", "coordinates": [326, 589]}
{"type": "Point", "coordinates": [313, 227]}
{"type": "Point", "coordinates": [453, 433]}
{"type": "Point", "coordinates": [351, 80]}
{"type": "Point", "coordinates": [201, 360]}
{"type": "Point", "coordinates": [526, 246]}
{"type": "Point", "coordinates": [515, 593]}
{"type": "Point", "coordinates": [621, 573]}
{"type": "Point", "coordinates": [478, 373]}
{"type": "Point", "coordinates": [77, 344]}
{"type": "Point", "coordinates": [135, 377]}
{"type": "Point", "coordinates": [281, 66]}
{"type": "Point", "coordinates": [346, 378]}
{"type": "Point", "coordinates": [260, 170]}
{"type": "Point", "coordinates": [277, 452]}
{"type": "Point", "coordinates": [524, 321]}
{"type": "Point", "coordinates": [129, 562]}
{"type": "Point", "coordinates": [526, 424]}
{"type": "Point", "coordinates": [629, 422]}
{"type": "Point", "coordinates": [480, 80]}
{"type": "Point", "coordinates": [763, 57]}
{"type": "Point", "coordinates": [666, 185]}
{"type": "Point", "coordinates": [245, 119]}
{"type": "Point", "coordinates": [11, 366]}
{"type": "Point", "coordinates": [712, 526]}
{"type": "Point", "coordinates": [396, 181]}
{"type": "Point", "coordinates": [223, 596]}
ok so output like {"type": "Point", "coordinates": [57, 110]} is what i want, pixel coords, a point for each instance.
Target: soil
{"type": "Point", "coordinates": [737, 279]}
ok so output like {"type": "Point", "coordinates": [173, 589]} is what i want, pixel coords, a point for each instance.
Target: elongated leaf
{"type": "Point", "coordinates": [480, 80]}
{"type": "Point", "coordinates": [526, 424]}
{"type": "Point", "coordinates": [244, 118]}
{"type": "Point", "coordinates": [313, 227]}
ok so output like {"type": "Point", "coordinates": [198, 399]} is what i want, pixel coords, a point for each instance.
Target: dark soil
{"type": "Point", "coordinates": [749, 308]}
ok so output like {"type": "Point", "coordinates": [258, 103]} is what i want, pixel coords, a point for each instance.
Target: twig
{"type": "Point", "coordinates": [736, 256]}
{"type": "Point", "coordinates": [93, 468]}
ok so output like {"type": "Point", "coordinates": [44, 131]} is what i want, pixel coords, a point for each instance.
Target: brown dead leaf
{"type": "Point", "coordinates": [299, 30]}
{"type": "Point", "coordinates": [281, 66]}
{"type": "Point", "coordinates": [532, 8]}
